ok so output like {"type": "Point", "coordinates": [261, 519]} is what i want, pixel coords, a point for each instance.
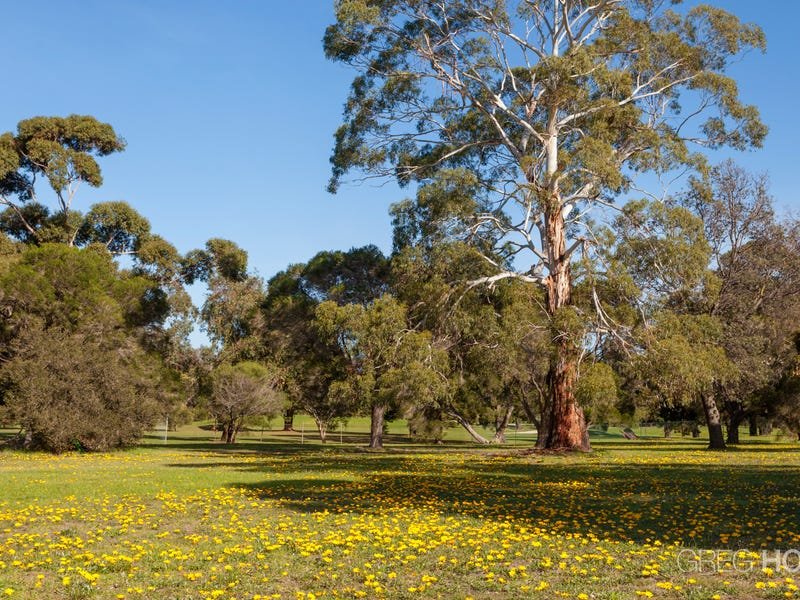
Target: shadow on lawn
{"type": "Point", "coordinates": [695, 504]}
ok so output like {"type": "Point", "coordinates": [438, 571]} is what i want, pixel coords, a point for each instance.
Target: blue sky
{"type": "Point", "coordinates": [229, 108]}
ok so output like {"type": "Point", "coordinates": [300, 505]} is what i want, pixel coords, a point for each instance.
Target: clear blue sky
{"type": "Point", "coordinates": [229, 110]}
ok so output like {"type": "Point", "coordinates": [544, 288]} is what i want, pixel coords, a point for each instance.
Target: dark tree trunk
{"type": "Point", "coordinates": [736, 419]}
{"type": "Point", "coordinates": [376, 426]}
{"type": "Point", "coordinates": [501, 424]}
{"type": "Point", "coordinates": [753, 422]}
{"type": "Point", "coordinates": [288, 419]}
{"type": "Point", "coordinates": [467, 426]}
{"type": "Point", "coordinates": [716, 441]}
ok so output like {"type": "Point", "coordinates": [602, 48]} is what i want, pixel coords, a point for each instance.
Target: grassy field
{"type": "Point", "coordinates": [278, 518]}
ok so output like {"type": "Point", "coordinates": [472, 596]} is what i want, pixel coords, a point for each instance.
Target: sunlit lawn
{"type": "Point", "coordinates": [276, 518]}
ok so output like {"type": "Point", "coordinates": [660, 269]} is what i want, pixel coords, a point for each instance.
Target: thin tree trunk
{"type": "Point", "coordinates": [323, 430]}
{"type": "Point", "coordinates": [501, 424]}
{"type": "Point", "coordinates": [467, 426]}
{"type": "Point", "coordinates": [376, 426]}
{"type": "Point", "coordinates": [716, 441]}
{"type": "Point", "coordinates": [529, 412]}
{"type": "Point", "coordinates": [753, 422]}
{"type": "Point", "coordinates": [288, 419]}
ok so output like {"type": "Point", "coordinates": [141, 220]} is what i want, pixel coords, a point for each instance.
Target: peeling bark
{"type": "Point", "coordinates": [563, 422]}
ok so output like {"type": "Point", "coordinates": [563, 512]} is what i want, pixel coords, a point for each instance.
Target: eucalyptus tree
{"type": "Point", "coordinates": [494, 338]}
{"type": "Point", "coordinates": [232, 312]}
{"type": "Point", "coordinates": [311, 362]}
{"type": "Point", "coordinates": [388, 363]}
{"type": "Point", "coordinates": [545, 110]}
{"type": "Point", "coordinates": [62, 151]}
{"type": "Point", "coordinates": [755, 258]}
{"type": "Point", "coordinates": [678, 358]}
{"type": "Point", "coordinates": [686, 363]}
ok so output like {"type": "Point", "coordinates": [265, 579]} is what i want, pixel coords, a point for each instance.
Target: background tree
{"type": "Point", "coordinates": [545, 110]}
{"type": "Point", "coordinates": [387, 363]}
{"type": "Point", "coordinates": [597, 393]}
{"type": "Point", "coordinates": [242, 390]}
{"type": "Point", "coordinates": [494, 335]}
{"type": "Point", "coordinates": [310, 363]}
{"type": "Point", "coordinates": [231, 313]}
{"type": "Point", "coordinates": [756, 266]}
{"type": "Point", "coordinates": [685, 363]}
{"type": "Point", "coordinates": [76, 369]}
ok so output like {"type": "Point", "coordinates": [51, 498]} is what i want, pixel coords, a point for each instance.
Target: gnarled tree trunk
{"type": "Point", "coordinates": [563, 423]}
{"type": "Point", "coordinates": [716, 440]}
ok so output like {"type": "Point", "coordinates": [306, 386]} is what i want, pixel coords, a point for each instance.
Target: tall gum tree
{"type": "Point", "coordinates": [548, 109]}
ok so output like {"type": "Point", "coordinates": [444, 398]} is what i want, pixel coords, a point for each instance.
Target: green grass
{"type": "Point", "coordinates": [193, 518]}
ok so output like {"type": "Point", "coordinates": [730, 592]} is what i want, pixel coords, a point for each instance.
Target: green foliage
{"type": "Point", "coordinates": [220, 258]}
{"type": "Point", "coordinates": [116, 225]}
{"type": "Point", "coordinates": [77, 369]}
{"type": "Point", "coordinates": [597, 393]}
{"type": "Point", "coordinates": [356, 276]}
{"type": "Point", "coordinates": [662, 247]}
{"type": "Point", "coordinates": [77, 391]}
{"type": "Point", "coordinates": [62, 149]}
{"type": "Point", "coordinates": [388, 363]}
{"type": "Point", "coordinates": [684, 358]}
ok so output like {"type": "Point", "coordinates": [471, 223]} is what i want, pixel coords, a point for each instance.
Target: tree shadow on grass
{"type": "Point", "coordinates": [701, 505]}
